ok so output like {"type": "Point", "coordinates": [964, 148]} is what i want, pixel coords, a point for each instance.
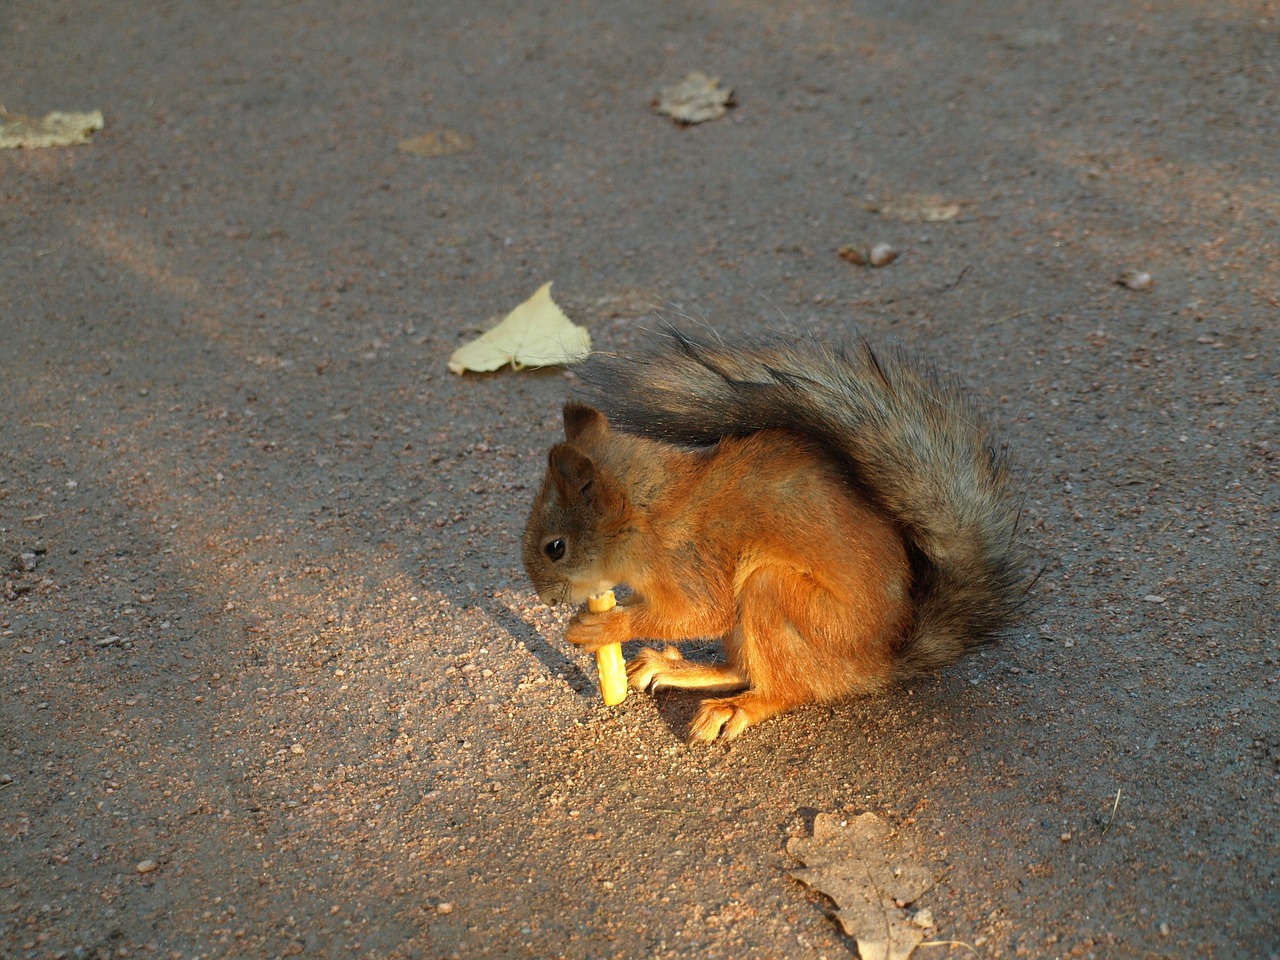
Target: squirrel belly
{"type": "Point", "coordinates": [836, 518]}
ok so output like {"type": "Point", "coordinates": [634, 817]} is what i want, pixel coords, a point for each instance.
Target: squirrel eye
{"type": "Point", "coordinates": [554, 549]}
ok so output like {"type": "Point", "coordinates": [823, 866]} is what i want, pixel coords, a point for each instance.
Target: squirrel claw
{"type": "Point", "coordinates": [725, 718]}
{"type": "Point", "coordinates": [646, 670]}
{"type": "Point", "coordinates": [591, 631]}
{"type": "Point", "coordinates": [718, 719]}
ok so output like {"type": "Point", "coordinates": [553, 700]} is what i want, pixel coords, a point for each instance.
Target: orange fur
{"type": "Point", "coordinates": [760, 540]}
{"type": "Point", "coordinates": [842, 518]}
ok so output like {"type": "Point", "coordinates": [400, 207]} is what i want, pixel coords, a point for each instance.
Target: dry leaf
{"type": "Point", "coordinates": [534, 334]}
{"type": "Point", "coordinates": [694, 99]}
{"type": "Point", "coordinates": [881, 255]}
{"type": "Point", "coordinates": [919, 208]}
{"type": "Point", "coordinates": [56, 129]}
{"type": "Point", "coordinates": [868, 876]}
{"type": "Point", "coordinates": [854, 254]}
{"type": "Point", "coordinates": [1136, 280]}
{"type": "Point", "coordinates": [877, 255]}
{"type": "Point", "coordinates": [440, 142]}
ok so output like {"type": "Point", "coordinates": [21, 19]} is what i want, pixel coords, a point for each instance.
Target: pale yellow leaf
{"type": "Point", "coordinates": [535, 334]}
{"type": "Point", "coordinates": [694, 99]}
{"type": "Point", "coordinates": [919, 208]}
{"type": "Point", "coordinates": [56, 129]}
{"type": "Point", "coordinates": [440, 142]}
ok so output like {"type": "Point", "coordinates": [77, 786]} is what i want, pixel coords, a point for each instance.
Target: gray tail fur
{"type": "Point", "coordinates": [913, 439]}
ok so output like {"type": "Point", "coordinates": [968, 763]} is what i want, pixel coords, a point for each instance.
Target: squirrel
{"type": "Point", "coordinates": [839, 518]}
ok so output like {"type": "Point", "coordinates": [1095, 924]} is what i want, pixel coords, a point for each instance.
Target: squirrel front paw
{"type": "Point", "coordinates": [591, 631]}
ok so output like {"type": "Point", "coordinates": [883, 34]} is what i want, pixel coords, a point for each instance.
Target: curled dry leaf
{"type": "Point", "coordinates": [1136, 280]}
{"type": "Point", "coordinates": [56, 129]}
{"type": "Point", "coordinates": [535, 334]}
{"type": "Point", "coordinates": [881, 255]}
{"type": "Point", "coordinates": [863, 868]}
{"type": "Point", "coordinates": [854, 254]}
{"type": "Point", "coordinates": [877, 255]}
{"type": "Point", "coordinates": [694, 99]}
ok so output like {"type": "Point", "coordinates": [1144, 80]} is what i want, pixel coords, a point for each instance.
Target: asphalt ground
{"type": "Point", "coordinates": [272, 680]}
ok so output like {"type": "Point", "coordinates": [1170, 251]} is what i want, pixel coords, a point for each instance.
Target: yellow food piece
{"type": "Point", "coordinates": [609, 662]}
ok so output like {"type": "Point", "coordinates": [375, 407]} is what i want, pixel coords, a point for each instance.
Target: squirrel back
{"type": "Point", "coordinates": [912, 439]}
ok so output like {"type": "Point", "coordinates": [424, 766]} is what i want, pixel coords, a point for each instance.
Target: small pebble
{"type": "Point", "coordinates": [146, 866]}
{"type": "Point", "coordinates": [445, 907]}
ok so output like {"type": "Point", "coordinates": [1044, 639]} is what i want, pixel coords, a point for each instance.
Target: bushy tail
{"type": "Point", "coordinates": [914, 440]}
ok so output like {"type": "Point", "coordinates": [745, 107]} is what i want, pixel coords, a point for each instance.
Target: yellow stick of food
{"type": "Point", "coordinates": [609, 662]}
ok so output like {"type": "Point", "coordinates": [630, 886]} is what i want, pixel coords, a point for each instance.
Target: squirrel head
{"type": "Point", "coordinates": [578, 514]}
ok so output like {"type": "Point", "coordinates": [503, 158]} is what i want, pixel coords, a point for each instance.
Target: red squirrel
{"type": "Point", "coordinates": [839, 519]}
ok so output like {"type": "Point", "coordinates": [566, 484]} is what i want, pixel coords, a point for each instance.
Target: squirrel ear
{"type": "Point", "coordinates": [572, 471]}
{"type": "Point", "coordinates": [582, 422]}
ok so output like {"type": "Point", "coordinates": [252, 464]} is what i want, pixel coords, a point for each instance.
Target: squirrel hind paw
{"type": "Point", "coordinates": [717, 720]}
{"type": "Point", "coordinates": [646, 671]}
{"type": "Point", "coordinates": [727, 717]}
